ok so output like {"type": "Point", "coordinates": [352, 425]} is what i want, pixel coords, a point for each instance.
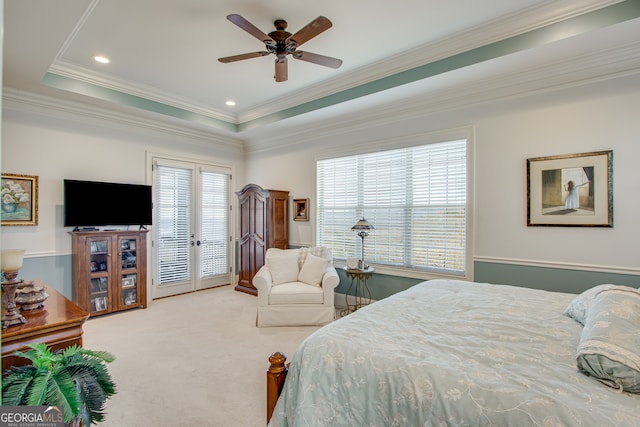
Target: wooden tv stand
{"type": "Point", "coordinates": [58, 324]}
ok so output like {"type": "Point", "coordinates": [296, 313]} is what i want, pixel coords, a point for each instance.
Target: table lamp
{"type": "Point", "coordinates": [363, 227]}
{"type": "Point", "coordinates": [11, 264]}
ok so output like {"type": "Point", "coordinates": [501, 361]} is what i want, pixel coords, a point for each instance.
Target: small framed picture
{"type": "Point", "coordinates": [573, 190]}
{"type": "Point", "coordinates": [301, 209]}
{"type": "Point", "coordinates": [130, 297]}
{"type": "Point", "coordinates": [128, 282]}
{"type": "Point", "coordinates": [19, 199]}
{"type": "Point", "coordinates": [100, 303]}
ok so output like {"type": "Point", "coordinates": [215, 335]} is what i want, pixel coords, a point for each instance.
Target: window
{"type": "Point", "coordinates": [415, 197]}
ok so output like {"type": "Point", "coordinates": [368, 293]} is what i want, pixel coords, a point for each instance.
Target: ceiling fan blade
{"type": "Point", "coordinates": [250, 28]}
{"type": "Point", "coordinates": [310, 30]}
{"type": "Point", "coordinates": [242, 56]}
{"type": "Point", "coordinates": [281, 70]}
{"type": "Point", "coordinates": [327, 61]}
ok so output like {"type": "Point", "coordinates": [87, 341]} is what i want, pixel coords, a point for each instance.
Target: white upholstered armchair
{"type": "Point", "coordinates": [295, 287]}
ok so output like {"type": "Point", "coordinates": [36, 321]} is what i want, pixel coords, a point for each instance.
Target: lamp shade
{"type": "Point", "coordinates": [12, 259]}
{"type": "Point", "coordinates": [362, 224]}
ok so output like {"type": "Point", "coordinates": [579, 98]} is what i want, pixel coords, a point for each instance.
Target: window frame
{"type": "Point", "coordinates": [463, 133]}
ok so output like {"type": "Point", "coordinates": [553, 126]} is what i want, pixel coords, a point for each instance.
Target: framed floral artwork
{"type": "Point", "coordinates": [573, 190]}
{"type": "Point", "coordinates": [19, 199]}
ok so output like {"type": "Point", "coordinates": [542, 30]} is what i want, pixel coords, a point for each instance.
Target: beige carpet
{"type": "Point", "coordinates": [190, 360]}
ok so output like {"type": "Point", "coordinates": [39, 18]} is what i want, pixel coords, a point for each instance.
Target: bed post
{"type": "Point", "coordinates": [275, 380]}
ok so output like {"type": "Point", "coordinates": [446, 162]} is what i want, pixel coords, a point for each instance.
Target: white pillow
{"type": "Point", "coordinates": [579, 307]}
{"type": "Point", "coordinates": [283, 265]}
{"type": "Point", "coordinates": [313, 269]}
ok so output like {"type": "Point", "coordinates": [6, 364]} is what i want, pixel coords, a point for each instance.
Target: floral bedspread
{"type": "Point", "coordinates": [450, 353]}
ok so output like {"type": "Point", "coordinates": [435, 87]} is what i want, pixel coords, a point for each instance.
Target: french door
{"type": "Point", "coordinates": [191, 227]}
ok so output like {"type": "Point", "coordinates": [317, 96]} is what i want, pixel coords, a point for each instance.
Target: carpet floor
{"type": "Point", "coordinates": [190, 360]}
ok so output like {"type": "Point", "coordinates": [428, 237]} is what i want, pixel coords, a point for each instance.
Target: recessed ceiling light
{"type": "Point", "coordinates": [230, 103]}
{"type": "Point", "coordinates": [101, 59]}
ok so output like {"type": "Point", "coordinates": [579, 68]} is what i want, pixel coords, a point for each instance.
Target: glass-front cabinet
{"type": "Point", "coordinates": [109, 270]}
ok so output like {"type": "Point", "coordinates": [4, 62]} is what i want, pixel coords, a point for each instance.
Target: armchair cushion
{"type": "Point", "coordinates": [313, 269]}
{"type": "Point", "coordinates": [296, 293]}
{"type": "Point", "coordinates": [283, 265]}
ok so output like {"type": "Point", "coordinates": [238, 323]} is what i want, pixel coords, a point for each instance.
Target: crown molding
{"type": "Point", "coordinates": [71, 71]}
{"type": "Point", "coordinates": [546, 13]}
{"type": "Point", "coordinates": [577, 70]}
{"type": "Point", "coordinates": [539, 16]}
{"type": "Point", "coordinates": [27, 102]}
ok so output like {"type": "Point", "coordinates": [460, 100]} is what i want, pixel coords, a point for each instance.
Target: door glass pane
{"type": "Point", "coordinates": [129, 294]}
{"type": "Point", "coordinates": [214, 224]}
{"type": "Point", "coordinates": [99, 266]}
{"type": "Point", "coordinates": [173, 224]}
{"type": "Point", "coordinates": [128, 250]}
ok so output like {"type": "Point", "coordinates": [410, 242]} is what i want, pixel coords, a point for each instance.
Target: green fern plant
{"type": "Point", "coordinates": [74, 379]}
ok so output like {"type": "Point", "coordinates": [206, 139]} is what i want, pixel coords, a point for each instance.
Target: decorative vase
{"type": "Point", "coordinates": [9, 207]}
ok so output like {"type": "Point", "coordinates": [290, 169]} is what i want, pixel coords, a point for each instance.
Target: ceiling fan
{"type": "Point", "coordinates": [282, 43]}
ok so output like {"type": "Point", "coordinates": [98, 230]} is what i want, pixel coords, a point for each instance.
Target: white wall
{"type": "Point", "coordinates": [292, 170]}
{"type": "Point", "coordinates": [601, 116]}
{"type": "Point", "coordinates": [579, 125]}
{"type": "Point", "coordinates": [55, 144]}
{"type": "Point", "coordinates": [595, 117]}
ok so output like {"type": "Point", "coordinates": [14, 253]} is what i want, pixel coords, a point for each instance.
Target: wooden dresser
{"type": "Point", "coordinates": [58, 324]}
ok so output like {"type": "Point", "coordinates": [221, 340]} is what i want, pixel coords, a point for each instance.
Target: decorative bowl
{"type": "Point", "coordinates": [31, 296]}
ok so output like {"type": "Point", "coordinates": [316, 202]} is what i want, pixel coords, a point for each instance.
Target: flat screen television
{"type": "Point", "coordinates": [93, 204]}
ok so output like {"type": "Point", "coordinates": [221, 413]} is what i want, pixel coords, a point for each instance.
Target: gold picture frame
{"type": "Point", "coordinates": [573, 190]}
{"type": "Point", "coordinates": [301, 209]}
{"type": "Point", "coordinates": [19, 199]}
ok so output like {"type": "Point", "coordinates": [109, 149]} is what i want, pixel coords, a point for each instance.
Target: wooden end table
{"type": "Point", "coordinates": [58, 324]}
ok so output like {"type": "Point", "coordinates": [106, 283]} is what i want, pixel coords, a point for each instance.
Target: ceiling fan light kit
{"type": "Point", "coordinates": [282, 43]}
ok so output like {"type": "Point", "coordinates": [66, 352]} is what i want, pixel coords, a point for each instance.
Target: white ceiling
{"type": "Point", "coordinates": [165, 52]}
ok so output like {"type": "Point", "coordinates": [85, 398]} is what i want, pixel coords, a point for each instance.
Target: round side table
{"type": "Point", "coordinates": [362, 293]}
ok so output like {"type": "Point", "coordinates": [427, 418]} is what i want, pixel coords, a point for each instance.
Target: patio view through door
{"type": "Point", "coordinates": [191, 244]}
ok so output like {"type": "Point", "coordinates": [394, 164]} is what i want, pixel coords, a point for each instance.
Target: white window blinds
{"type": "Point", "coordinates": [416, 198]}
{"type": "Point", "coordinates": [173, 223]}
{"type": "Point", "coordinates": [214, 224]}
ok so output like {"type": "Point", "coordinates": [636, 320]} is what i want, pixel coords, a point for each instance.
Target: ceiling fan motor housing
{"type": "Point", "coordinates": [280, 36]}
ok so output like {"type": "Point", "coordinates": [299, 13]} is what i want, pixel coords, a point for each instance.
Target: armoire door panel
{"type": "Point", "coordinates": [259, 217]}
{"type": "Point", "coordinates": [245, 218]}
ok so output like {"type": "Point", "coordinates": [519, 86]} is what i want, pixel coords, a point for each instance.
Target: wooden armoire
{"type": "Point", "coordinates": [264, 224]}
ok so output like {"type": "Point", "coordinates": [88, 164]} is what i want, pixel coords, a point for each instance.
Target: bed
{"type": "Point", "coordinates": [448, 352]}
